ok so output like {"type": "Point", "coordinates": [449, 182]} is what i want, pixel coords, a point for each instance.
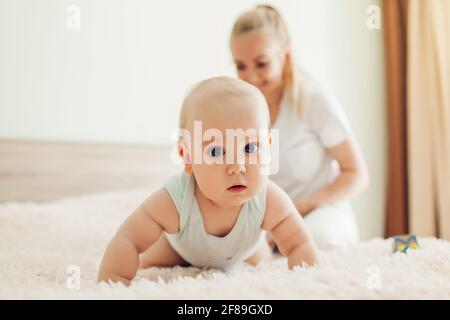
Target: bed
{"type": "Point", "coordinates": [61, 203]}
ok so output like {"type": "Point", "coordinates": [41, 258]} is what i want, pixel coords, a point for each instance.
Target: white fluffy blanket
{"type": "Point", "coordinates": [43, 247]}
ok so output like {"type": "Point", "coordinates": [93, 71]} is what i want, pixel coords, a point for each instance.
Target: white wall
{"type": "Point", "coordinates": [120, 78]}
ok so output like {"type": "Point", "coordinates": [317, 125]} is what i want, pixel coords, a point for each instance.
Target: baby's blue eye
{"type": "Point", "coordinates": [251, 147]}
{"type": "Point", "coordinates": [215, 151]}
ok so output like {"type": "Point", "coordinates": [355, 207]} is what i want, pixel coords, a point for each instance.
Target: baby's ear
{"type": "Point", "coordinates": [184, 153]}
{"type": "Point", "coordinates": [180, 150]}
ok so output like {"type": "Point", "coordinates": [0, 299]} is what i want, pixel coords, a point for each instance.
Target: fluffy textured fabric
{"type": "Point", "coordinates": [43, 246]}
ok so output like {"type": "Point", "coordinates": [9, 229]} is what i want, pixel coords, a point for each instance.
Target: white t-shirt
{"type": "Point", "coordinates": [304, 166]}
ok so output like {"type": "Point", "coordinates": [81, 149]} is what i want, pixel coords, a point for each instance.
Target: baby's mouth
{"type": "Point", "coordinates": [237, 188]}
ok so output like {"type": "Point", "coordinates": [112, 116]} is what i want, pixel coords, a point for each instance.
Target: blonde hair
{"type": "Point", "coordinates": [267, 18]}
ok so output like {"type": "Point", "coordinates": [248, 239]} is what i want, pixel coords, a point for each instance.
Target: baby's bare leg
{"type": "Point", "coordinates": [161, 254]}
{"type": "Point", "coordinates": [264, 253]}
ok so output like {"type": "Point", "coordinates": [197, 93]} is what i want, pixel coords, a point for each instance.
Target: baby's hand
{"type": "Point", "coordinates": [287, 228]}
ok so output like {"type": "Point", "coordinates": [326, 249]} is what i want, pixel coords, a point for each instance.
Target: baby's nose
{"type": "Point", "coordinates": [236, 168]}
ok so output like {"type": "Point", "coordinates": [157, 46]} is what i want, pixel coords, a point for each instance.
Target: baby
{"type": "Point", "coordinates": [216, 212]}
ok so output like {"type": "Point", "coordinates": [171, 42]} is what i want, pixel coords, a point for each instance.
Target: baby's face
{"type": "Point", "coordinates": [234, 148]}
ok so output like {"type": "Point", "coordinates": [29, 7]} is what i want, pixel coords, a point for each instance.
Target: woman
{"type": "Point", "coordinates": [320, 164]}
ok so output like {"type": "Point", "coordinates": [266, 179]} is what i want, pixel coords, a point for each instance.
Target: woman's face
{"type": "Point", "coordinates": [259, 60]}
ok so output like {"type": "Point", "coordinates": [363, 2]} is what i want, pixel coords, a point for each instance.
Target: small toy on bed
{"type": "Point", "coordinates": [405, 243]}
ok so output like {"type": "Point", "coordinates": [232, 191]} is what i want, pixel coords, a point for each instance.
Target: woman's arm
{"type": "Point", "coordinates": [352, 179]}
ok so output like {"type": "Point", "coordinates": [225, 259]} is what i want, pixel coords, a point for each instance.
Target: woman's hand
{"type": "Point", "coordinates": [353, 178]}
{"type": "Point", "coordinates": [305, 206]}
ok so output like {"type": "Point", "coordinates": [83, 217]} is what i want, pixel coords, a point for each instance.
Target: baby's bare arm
{"type": "Point", "coordinates": [287, 228]}
{"type": "Point", "coordinates": [139, 231]}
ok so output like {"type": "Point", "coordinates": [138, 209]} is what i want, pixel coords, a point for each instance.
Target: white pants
{"type": "Point", "coordinates": [332, 226]}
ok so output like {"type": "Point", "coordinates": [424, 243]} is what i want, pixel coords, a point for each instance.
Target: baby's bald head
{"type": "Point", "coordinates": [224, 102]}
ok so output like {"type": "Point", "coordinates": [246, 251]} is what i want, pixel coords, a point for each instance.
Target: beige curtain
{"type": "Point", "coordinates": [428, 117]}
